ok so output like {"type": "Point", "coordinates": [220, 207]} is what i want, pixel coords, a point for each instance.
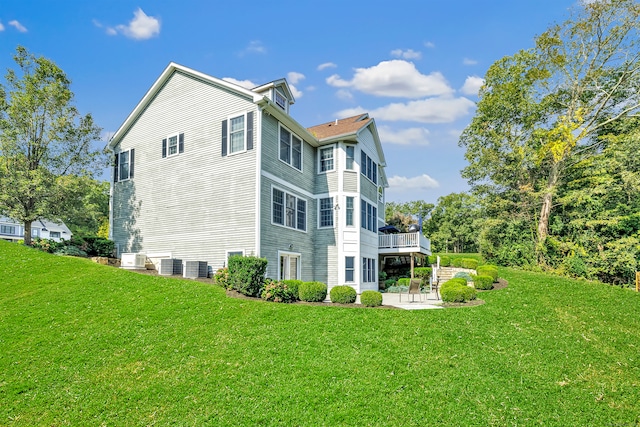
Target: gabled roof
{"type": "Point", "coordinates": [340, 128]}
{"type": "Point", "coordinates": [159, 83]}
{"type": "Point", "coordinates": [280, 83]}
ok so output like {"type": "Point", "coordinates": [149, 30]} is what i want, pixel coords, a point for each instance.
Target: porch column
{"type": "Point", "coordinates": [411, 264]}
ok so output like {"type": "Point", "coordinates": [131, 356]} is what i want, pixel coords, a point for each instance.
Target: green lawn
{"type": "Point", "coordinates": [89, 345]}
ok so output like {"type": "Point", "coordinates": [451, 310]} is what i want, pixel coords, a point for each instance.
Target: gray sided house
{"type": "Point", "coordinates": [204, 169]}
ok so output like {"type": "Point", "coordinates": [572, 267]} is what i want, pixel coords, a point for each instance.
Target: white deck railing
{"type": "Point", "coordinates": [403, 240]}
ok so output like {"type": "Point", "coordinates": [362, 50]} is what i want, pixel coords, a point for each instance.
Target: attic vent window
{"type": "Point", "coordinates": [281, 101]}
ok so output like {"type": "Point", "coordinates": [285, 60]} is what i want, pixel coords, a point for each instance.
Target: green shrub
{"type": "Point", "coordinates": [343, 294]}
{"type": "Point", "coordinates": [278, 292]}
{"type": "Point", "coordinates": [457, 262]}
{"type": "Point", "coordinates": [463, 275]}
{"type": "Point", "coordinates": [460, 280]}
{"type": "Point", "coordinates": [221, 278]}
{"type": "Point", "coordinates": [404, 281]}
{"type": "Point", "coordinates": [456, 290]}
{"type": "Point", "coordinates": [371, 299]}
{"type": "Point", "coordinates": [293, 284]}
{"type": "Point", "coordinates": [46, 245]}
{"type": "Point", "coordinates": [70, 251]}
{"type": "Point", "coordinates": [246, 274]}
{"type": "Point", "coordinates": [382, 276]}
{"type": "Point", "coordinates": [389, 282]}
{"type": "Point", "coordinates": [433, 259]}
{"type": "Point", "coordinates": [312, 291]}
{"type": "Point", "coordinates": [482, 282]}
{"type": "Point", "coordinates": [423, 273]}
{"type": "Point", "coordinates": [488, 270]}
{"type": "Point", "coordinates": [469, 263]}
{"type": "Point", "coordinates": [445, 261]}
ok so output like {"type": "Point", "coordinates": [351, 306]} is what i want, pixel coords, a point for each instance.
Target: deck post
{"type": "Point", "coordinates": [411, 254]}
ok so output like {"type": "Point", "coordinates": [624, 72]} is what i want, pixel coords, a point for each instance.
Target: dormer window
{"type": "Point", "coordinates": [280, 99]}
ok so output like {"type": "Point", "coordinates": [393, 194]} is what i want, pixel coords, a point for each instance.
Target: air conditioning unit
{"type": "Point", "coordinates": [133, 261]}
{"type": "Point", "coordinates": [195, 269]}
{"type": "Point", "coordinates": [169, 266]}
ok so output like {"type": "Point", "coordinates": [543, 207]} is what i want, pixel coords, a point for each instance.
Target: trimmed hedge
{"type": "Point", "coordinates": [463, 275]}
{"type": "Point", "coordinates": [456, 290]}
{"type": "Point", "coordinates": [343, 294]}
{"type": "Point", "coordinates": [404, 281]}
{"type": "Point", "coordinates": [445, 261]}
{"type": "Point", "coordinates": [423, 273]}
{"type": "Point", "coordinates": [371, 298]}
{"type": "Point", "coordinates": [469, 263]}
{"type": "Point", "coordinates": [246, 274]}
{"type": "Point", "coordinates": [278, 292]}
{"type": "Point", "coordinates": [293, 284]}
{"type": "Point", "coordinates": [433, 259]}
{"type": "Point", "coordinates": [312, 291]}
{"type": "Point", "coordinates": [488, 270]}
{"type": "Point", "coordinates": [483, 282]}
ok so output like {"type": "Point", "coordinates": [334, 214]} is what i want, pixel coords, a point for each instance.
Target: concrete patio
{"type": "Point", "coordinates": [410, 302]}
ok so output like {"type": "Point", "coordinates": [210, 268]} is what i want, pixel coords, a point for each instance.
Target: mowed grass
{"type": "Point", "coordinates": [89, 345]}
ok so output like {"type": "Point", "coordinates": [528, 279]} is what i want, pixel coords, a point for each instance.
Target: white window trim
{"type": "Point", "coordinates": [353, 213]}
{"type": "Point", "coordinates": [291, 254]}
{"type": "Point", "coordinates": [120, 179]}
{"type": "Point", "coordinates": [280, 126]}
{"type": "Point", "coordinates": [333, 211]}
{"type": "Point", "coordinates": [177, 135]}
{"type": "Point", "coordinates": [230, 251]}
{"type": "Point", "coordinates": [284, 213]}
{"type": "Point", "coordinates": [333, 157]}
{"type": "Point", "coordinates": [284, 107]}
{"type": "Point", "coordinates": [346, 157]}
{"type": "Point", "coordinates": [244, 146]}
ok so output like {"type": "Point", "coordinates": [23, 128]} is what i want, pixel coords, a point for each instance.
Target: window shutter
{"type": "Point", "coordinates": [250, 130]}
{"type": "Point", "coordinates": [164, 148]}
{"type": "Point", "coordinates": [131, 158]}
{"type": "Point", "coordinates": [115, 169]}
{"type": "Point", "coordinates": [224, 138]}
{"type": "Point", "coordinates": [181, 143]}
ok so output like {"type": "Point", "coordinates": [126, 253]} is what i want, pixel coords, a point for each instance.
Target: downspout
{"type": "Point", "coordinates": [258, 145]}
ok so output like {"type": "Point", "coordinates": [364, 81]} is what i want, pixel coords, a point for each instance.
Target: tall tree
{"type": "Point", "coordinates": [43, 138]}
{"type": "Point", "coordinates": [541, 110]}
{"type": "Point", "coordinates": [453, 226]}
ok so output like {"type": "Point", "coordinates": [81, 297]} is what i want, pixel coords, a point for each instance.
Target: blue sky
{"type": "Point", "coordinates": [415, 66]}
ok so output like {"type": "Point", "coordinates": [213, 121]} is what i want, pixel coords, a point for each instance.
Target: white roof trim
{"type": "Point", "coordinates": [155, 88]}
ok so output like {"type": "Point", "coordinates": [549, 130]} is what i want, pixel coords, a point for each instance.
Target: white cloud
{"type": "Point", "coordinates": [469, 61]}
{"type": "Point", "coordinates": [472, 85]}
{"type": "Point", "coordinates": [430, 110]}
{"type": "Point", "coordinates": [141, 27]}
{"type": "Point", "coordinates": [430, 45]}
{"type": "Point", "coordinates": [326, 65]}
{"type": "Point", "coordinates": [406, 54]}
{"type": "Point", "coordinates": [247, 84]}
{"type": "Point", "coordinates": [345, 95]}
{"type": "Point", "coordinates": [409, 136]}
{"type": "Point", "coordinates": [106, 135]}
{"type": "Point", "coordinates": [401, 184]}
{"type": "Point", "coordinates": [18, 26]}
{"type": "Point", "coordinates": [294, 78]}
{"type": "Point", "coordinates": [395, 78]}
{"type": "Point", "coordinates": [255, 46]}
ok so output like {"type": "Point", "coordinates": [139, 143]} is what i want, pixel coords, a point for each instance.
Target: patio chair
{"type": "Point", "coordinates": [414, 288]}
{"type": "Point", "coordinates": [435, 286]}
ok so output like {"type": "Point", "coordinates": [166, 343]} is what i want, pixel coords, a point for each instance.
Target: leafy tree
{"type": "Point", "coordinates": [453, 226]}
{"type": "Point", "coordinates": [541, 110]}
{"type": "Point", "coordinates": [43, 140]}
{"type": "Point", "coordinates": [402, 215]}
{"type": "Point", "coordinates": [87, 209]}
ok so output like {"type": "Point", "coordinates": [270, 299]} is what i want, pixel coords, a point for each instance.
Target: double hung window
{"type": "Point", "coordinates": [326, 159]}
{"type": "Point", "coordinates": [236, 134]}
{"type": "Point", "coordinates": [368, 167]}
{"type": "Point", "coordinates": [289, 210]}
{"type": "Point", "coordinates": [123, 168]}
{"type": "Point", "coordinates": [290, 149]}
{"type": "Point", "coordinates": [368, 216]}
{"type": "Point", "coordinates": [326, 212]}
{"type": "Point", "coordinates": [368, 270]}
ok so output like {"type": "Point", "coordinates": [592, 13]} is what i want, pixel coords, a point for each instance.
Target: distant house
{"type": "Point", "coordinates": [205, 169]}
{"type": "Point", "coordinates": [13, 231]}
